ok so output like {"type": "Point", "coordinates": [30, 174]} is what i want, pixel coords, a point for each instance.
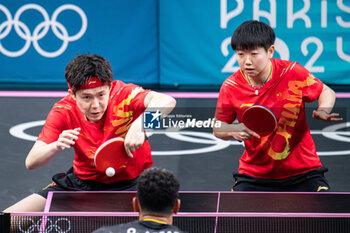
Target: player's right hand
{"type": "Point", "coordinates": [243, 133]}
{"type": "Point", "coordinates": [67, 138]}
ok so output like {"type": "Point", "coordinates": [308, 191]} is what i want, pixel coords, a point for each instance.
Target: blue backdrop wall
{"type": "Point", "coordinates": [166, 43]}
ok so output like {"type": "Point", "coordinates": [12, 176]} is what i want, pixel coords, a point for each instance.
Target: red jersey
{"type": "Point", "coordinates": [290, 150]}
{"type": "Point", "coordinates": [126, 104]}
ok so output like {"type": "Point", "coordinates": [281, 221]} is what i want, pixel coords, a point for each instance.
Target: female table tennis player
{"type": "Point", "coordinates": [286, 159]}
{"type": "Point", "coordinates": [95, 110]}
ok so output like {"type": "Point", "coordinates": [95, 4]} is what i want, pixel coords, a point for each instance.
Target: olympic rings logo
{"type": "Point", "coordinates": [337, 132]}
{"type": "Point", "coordinates": [61, 225]}
{"type": "Point", "coordinates": [40, 30]}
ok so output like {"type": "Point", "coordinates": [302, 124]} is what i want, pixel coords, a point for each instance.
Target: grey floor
{"type": "Point", "coordinates": [207, 170]}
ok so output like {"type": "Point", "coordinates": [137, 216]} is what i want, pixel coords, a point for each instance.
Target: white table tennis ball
{"type": "Point", "coordinates": [110, 171]}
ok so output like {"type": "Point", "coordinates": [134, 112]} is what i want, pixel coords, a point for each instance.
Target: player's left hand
{"type": "Point", "coordinates": [325, 116]}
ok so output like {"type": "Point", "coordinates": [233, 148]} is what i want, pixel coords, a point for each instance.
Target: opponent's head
{"type": "Point", "coordinates": [89, 78]}
{"type": "Point", "coordinates": [157, 192]}
{"type": "Point", "coordinates": [251, 35]}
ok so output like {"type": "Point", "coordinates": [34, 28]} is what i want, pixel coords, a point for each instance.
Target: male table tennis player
{"type": "Point", "coordinates": [286, 159]}
{"type": "Point", "coordinates": [95, 110]}
{"type": "Point", "coordinates": [156, 201]}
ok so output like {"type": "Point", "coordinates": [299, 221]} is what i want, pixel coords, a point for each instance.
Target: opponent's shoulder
{"type": "Point", "coordinates": [123, 227]}
{"type": "Point", "coordinates": [140, 227]}
{"type": "Point", "coordinates": [115, 229]}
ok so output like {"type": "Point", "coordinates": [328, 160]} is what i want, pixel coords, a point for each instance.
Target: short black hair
{"type": "Point", "coordinates": [251, 35]}
{"type": "Point", "coordinates": [84, 66]}
{"type": "Point", "coordinates": [157, 190]}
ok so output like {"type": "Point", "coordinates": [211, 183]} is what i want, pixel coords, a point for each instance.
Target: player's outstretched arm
{"type": "Point", "coordinates": [162, 102]}
{"type": "Point", "coordinates": [42, 153]}
{"type": "Point", "coordinates": [237, 131]}
{"type": "Point", "coordinates": [326, 102]}
{"type": "Point", "coordinates": [153, 101]}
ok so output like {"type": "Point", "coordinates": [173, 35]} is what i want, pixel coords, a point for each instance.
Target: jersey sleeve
{"type": "Point", "coordinates": [312, 87]}
{"type": "Point", "coordinates": [134, 98]}
{"type": "Point", "coordinates": [54, 125]}
{"type": "Point", "coordinates": [138, 102]}
{"type": "Point", "coordinates": [224, 110]}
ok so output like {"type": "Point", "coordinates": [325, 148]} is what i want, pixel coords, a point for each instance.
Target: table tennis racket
{"type": "Point", "coordinates": [111, 156]}
{"type": "Point", "coordinates": [259, 119]}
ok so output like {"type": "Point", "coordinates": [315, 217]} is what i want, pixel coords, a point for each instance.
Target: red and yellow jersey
{"type": "Point", "coordinates": [126, 104]}
{"type": "Point", "coordinates": [290, 150]}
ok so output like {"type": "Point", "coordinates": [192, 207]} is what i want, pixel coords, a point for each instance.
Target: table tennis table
{"type": "Point", "coordinates": [212, 212]}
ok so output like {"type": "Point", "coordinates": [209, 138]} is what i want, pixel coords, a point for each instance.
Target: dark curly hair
{"type": "Point", "coordinates": [84, 66]}
{"type": "Point", "coordinates": [251, 35]}
{"type": "Point", "coordinates": [157, 190]}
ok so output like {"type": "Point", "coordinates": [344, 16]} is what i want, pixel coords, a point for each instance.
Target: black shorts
{"type": "Point", "coordinates": [312, 181]}
{"type": "Point", "coordinates": [70, 182]}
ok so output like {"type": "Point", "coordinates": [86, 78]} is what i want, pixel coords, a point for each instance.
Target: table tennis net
{"type": "Point", "coordinates": [191, 224]}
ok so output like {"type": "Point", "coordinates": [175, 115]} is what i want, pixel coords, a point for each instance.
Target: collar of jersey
{"type": "Point", "coordinates": [154, 220]}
